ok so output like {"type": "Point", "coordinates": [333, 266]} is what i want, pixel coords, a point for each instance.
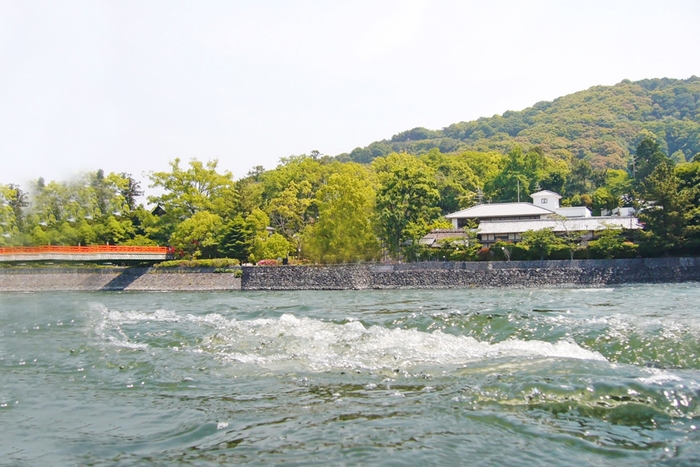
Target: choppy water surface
{"type": "Point", "coordinates": [478, 377]}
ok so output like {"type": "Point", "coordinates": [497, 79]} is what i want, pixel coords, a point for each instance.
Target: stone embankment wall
{"type": "Point", "coordinates": [579, 273]}
{"type": "Point", "coordinates": [136, 279]}
{"type": "Point", "coordinates": [429, 275]}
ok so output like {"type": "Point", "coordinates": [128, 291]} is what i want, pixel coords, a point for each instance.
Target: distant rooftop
{"type": "Point", "coordinates": [545, 193]}
{"type": "Point", "coordinates": [500, 210]}
{"type": "Point", "coordinates": [435, 236]}
{"type": "Point", "coordinates": [589, 224]}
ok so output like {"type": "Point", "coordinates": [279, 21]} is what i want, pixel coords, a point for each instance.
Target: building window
{"type": "Point", "coordinates": [543, 201]}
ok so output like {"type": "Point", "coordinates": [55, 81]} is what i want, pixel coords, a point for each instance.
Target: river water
{"type": "Point", "coordinates": [559, 377]}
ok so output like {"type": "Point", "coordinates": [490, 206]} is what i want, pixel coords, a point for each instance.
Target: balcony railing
{"type": "Point", "coordinates": [83, 250]}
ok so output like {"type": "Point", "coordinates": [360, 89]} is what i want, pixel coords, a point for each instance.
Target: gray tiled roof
{"type": "Point", "coordinates": [436, 235]}
{"type": "Point", "coordinates": [571, 225]}
{"type": "Point", "coordinates": [500, 210]}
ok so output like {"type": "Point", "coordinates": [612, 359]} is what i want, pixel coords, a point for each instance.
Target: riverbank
{"type": "Point", "coordinates": [427, 275]}
{"type": "Point", "coordinates": [115, 279]}
{"type": "Point", "coordinates": [445, 275]}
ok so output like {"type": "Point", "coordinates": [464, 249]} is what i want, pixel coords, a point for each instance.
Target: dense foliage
{"type": "Point", "coordinates": [602, 125]}
{"type": "Point", "coordinates": [629, 144]}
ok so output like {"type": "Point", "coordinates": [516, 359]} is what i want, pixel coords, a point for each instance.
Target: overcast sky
{"type": "Point", "coordinates": [127, 86]}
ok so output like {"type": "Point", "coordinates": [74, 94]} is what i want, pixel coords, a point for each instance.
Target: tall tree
{"type": "Point", "coordinates": [295, 169]}
{"type": "Point", "coordinates": [406, 199]}
{"type": "Point", "coordinates": [344, 230]}
{"type": "Point", "coordinates": [604, 200]}
{"type": "Point", "coordinates": [291, 209]}
{"type": "Point", "coordinates": [130, 189]}
{"type": "Point", "coordinates": [581, 178]}
{"type": "Point", "coordinates": [664, 208]}
{"type": "Point", "coordinates": [18, 202]}
{"type": "Point", "coordinates": [689, 177]}
{"type": "Point", "coordinates": [456, 181]}
{"type": "Point", "coordinates": [523, 173]}
{"type": "Point", "coordinates": [198, 188]}
{"type": "Point", "coordinates": [237, 239]}
{"type": "Point", "coordinates": [8, 220]}
{"type": "Point", "coordinates": [264, 245]}
{"type": "Point", "coordinates": [649, 155]}
{"type": "Point", "coordinates": [198, 236]}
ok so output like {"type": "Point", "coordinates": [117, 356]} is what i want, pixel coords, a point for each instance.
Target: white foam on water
{"type": "Point", "coordinates": [325, 345]}
{"type": "Point", "coordinates": [131, 317]}
{"type": "Point", "coordinates": [591, 290]}
{"type": "Point", "coordinates": [322, 345]}
{"type": "Point", "coordinates": [660, 378]}
{"type": "Point", "coordinates": [107, 323]}
{"type": "Point", "coordinates": [623, 324]}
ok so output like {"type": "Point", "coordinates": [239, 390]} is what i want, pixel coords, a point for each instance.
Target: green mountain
{"type": "Point", "coordinates": [603, 125]}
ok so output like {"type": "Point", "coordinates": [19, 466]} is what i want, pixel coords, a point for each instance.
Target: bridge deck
{"type": "Point", "coordinates": [85, 253]}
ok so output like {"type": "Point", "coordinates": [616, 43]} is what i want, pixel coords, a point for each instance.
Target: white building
{"type": "Point", "coordinates": [508, 221]}
{"type": "Point", "coordinates": [511, 231]}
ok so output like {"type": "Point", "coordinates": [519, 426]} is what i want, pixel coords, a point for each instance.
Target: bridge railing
{"type": "Point", "coordinates": [82, 250]}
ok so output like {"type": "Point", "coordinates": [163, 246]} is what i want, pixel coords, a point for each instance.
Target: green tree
{"type": "Point", "coordinates": [87, 209]}
{"type": "Point", "coordinates": [664, 208]}
{"type": "Point", "coordinates": [113, 231]}
{"type": "Point", "coordinates": [570, 239]}
{"type": "Point", "coordinates": [541, 242]}
{"type": "Point", "coordinates": [513, 182]}
{"type": "Point", "coordinates": [485, 165]}
{"type": "Point", "coordinates": [406, 200]}
{"type": "Point", "coordinates": [147, 225]}
{"type": "Point", "coordinates": [198, 236]}
{"type": "Point", "coordinates": [618, 183]}
{"type": "Point", "coordinates": [456, 181]}
{"type": "Point", "coordinates": [296, 169]}
{"type": "Point", "coordinates": [250, 193]}
{"type": "Point", "coordinates": [290, 210]}
{"type": "Point", "coordinates": [18, 202]}
{"type": "Point", "coordinates": [648, 157]}
{"type": "Point", "coordinates": [273, 247]}
{"type": "Point", "coordinates": [129, 189]}
{"type": "Point", "coordinates": [237, 239]}
{"type": "Point", "coordinates": [581, 178]}
{"type": "Point", "coordinates": [8, 219]}
{"type": "Point", "coordinates": [604, 200]}
{"type": "Point", "coordinates": [610, 244]}
{"type": "Point", "coordinates": [462, 249]}
{"type": "Point", "coordinates": [186, 192]}
{"type": "Point", "coordinates": [198, 188]}
{"type": "Point", "coordinates": [49, 204]}
{"type": "Point", "coordinates": [689, 178]}
{"type": "Point", "coordinates": [523, 173]}
{"type": "Point", "coordinates": [344, 230]}
{"type": "Point", "coordinates": [261, 245]}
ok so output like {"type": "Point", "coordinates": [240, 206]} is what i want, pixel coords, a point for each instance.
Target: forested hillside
{"type": "Point", "coordinates": [602, 125]}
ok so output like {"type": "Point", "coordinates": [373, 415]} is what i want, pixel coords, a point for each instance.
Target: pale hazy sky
{"type": "Point", "coordinates": [127, 86]}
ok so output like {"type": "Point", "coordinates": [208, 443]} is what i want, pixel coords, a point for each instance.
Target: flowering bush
{"type": "Point", "coordinates": [484, 254]}
{"type": "Point", "coordinates": [267, 262]}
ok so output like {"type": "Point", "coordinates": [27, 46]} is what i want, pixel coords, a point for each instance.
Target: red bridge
{"type": "Point", "coordinates": [85, 253]}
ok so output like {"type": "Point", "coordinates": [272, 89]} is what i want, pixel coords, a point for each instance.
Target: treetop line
{"type": "Point", "coordinates": [377, 203]}
{"type": "Point", "coordinates": [326, 211]}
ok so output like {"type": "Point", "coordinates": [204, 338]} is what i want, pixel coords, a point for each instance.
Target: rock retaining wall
{"type": "Point", "coordinates": [136, 279]}
{"type": "Point", "coordinates": [581, 273]}
{"type": "Point", "coordinates": [436, 275]}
